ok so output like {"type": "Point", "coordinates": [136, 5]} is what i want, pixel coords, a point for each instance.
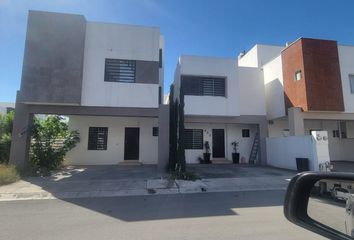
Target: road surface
{"type": "Point", "coordinates": [232, 215]}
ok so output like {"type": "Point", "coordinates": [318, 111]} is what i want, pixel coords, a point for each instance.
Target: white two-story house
{"type": "Point", "coordinates": [223, 103]}
{"type": "Point", "coordinates": [107, 78]}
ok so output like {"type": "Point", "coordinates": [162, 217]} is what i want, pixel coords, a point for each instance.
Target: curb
{"type": "Point", "coordinates": [137, 192]}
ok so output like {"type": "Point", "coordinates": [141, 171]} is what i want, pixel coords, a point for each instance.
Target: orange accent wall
{"type": "Point", "coordinates": [320, 88]}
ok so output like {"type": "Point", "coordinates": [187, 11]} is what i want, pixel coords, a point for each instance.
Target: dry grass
{"type": "Point", "coordinates": [8, 174]}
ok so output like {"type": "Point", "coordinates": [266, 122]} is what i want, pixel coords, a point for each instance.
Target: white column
{"type": "Point", "coordinates": [296, 122]}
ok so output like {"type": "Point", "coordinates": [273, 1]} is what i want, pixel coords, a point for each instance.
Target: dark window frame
{"type": "Point", "coordinates": [193, 141]}
{"type": "Point", "coordinates": [160, 94]}
{"type": "Point", "coordinates": [160, 58]}
{"type": "Point", "coordinates": [295, 75]}
{"type": "Point", "coordinates": [335, 134]}
{"type": "Point", "coordinates": [351, 83]}
{"type": "Point", "coordinates": [246, 133]}
{"type": "Point", "coordinates": [193, 85]}
{"type": "Point", "coordinates": [120, 70]}
{"type": "Point", "coordinates": [95, 136]}
{"type": "Point", "coordinates": [155, 131]}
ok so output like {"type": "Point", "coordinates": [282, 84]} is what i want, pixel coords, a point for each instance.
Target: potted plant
{"type": "Point", "coordinates": [207, 152]}
{"type": "Point", "coordinates": [235, 154]}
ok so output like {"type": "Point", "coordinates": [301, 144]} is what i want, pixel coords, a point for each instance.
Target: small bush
{"type": "Point", "coordinates": [5, 145]}
{"type": "Point", "coordinates": [188, 176]}
{"type": "Point", "coordinates": [6, 123]}
{"type": "Point", "coordinates": [51, 140]}
{"type": "Point", "coordinates": [8, 174]}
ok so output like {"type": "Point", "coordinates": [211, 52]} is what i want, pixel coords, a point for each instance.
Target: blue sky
{"type": "Point", "coordinates": [199, 27]}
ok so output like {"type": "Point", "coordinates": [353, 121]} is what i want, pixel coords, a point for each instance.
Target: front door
{"type": "Point", "coordinates": [218, 143]}
{"type": "Point", "coordinates": [131, 144]}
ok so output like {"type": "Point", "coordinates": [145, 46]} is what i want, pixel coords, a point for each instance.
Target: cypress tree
{"type": "Point", "coordinates": [173, 132]}
{"type": "Point", "coordinates": [181, 152]}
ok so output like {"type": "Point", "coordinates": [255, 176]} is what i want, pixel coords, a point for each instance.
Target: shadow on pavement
{"type": "Point", "coordinates": [144, 208]}
{"type": "Point", "coordinates": [153, 207]}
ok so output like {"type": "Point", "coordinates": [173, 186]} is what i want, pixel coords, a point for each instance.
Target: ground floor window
{"type": "Point", "coordinates": [245, 133]}
{"type": "Point", "coordinates": [155, 131]}
{"type": "Point", "coordinates": [97, 139]}
{"type": "Point", "coordinates": [193, 138]}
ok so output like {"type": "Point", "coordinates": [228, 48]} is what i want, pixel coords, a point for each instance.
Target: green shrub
{"type": "Point", "coordinates": [6, 123]}
{"type": "Point", "coordinates": [5, 146]}
{"type": "Point", "coordinates": [51, 140]}
{"type": "Point", "coordinates": [8, 174]}
{"type": "Point", "coordinates": [188, 176]}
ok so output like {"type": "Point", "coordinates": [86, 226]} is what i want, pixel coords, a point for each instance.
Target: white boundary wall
{"type": "Point", "coordinates": [283, 151]}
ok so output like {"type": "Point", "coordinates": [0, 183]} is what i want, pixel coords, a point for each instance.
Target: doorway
{"type": "Point", "coordinates": [218, 143]}
{"type": "Point", "coordinates": [131, 144]}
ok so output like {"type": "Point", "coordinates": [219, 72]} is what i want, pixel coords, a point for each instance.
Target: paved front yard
{"type": "Point", "coordinates": [236, 171]}
{"type": "Point", "coordinates": [118, 180]}
{"type": "Point", "coordinates": [104, 172]}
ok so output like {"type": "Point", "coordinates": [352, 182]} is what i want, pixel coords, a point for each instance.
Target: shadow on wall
{"type": "Point", "coordinates": [278, 95]}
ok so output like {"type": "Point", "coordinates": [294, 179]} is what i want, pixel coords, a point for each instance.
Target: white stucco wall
{"type": "Point", "coordinates": [211, 66]}
{"type": "Point", "coordinates": [104, 40]}
{"type": "Point", "coordinates": [278, 127]}
{"type": "Point", "coordinates": [283, 151]}
{"type": "Point", "coordinates": [233, 132]}
{"type": "Point", "coordinates": [250, 59]}
{"type": "Point", "coordinates": [339, 148]}
{"type": "Point", "coordinates": [259, 55]}
{"type": "Point", "coordinates": [115, 142]}
{"type": "Point", "coordinates": [346, 59]}
{"type": "Point", "coordinates": [252, 93]}
{"type": "Point", "coordinates": [274, 88]}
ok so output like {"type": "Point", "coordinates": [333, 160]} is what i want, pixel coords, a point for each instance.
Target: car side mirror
{"type": "Point", "coordinates": [322, 203]}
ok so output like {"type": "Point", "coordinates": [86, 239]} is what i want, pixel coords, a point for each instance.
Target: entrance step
{"type": "Point", "coordinates": [221, 161]}
{"type": "Point", "coordinates": [130, 163]}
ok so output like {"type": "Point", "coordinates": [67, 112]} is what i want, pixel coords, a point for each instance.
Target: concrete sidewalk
{"type": "Point", "coordinates": [43, 189]}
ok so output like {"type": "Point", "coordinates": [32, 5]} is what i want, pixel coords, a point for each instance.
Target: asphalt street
{"type": "Point", "coordinates": [228, 215]}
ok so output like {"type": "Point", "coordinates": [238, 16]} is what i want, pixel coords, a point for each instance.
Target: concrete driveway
{"type": "Point", "coordinates": [122, 180]}
{"type": "Point", "coordinates": [105, 172]}
{"type": "Point", "coordinates": [236, 171]}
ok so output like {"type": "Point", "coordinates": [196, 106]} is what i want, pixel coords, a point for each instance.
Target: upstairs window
{"type": "Point", "coordinates": [298, 75]}
{"type": "Point", "coordinates": [193, 138]}
{"type": "Point", "coordinates": [118, 70]}
{"type": "Point", "coordinates": [351, 81]}
{"type": "Point", "coordinates": [97, 138]}
{"type": "Point", "coordinates": [203, 86]}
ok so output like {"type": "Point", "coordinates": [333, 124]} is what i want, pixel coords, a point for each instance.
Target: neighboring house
{"type": "Point", "coordinates": [309, 86]}
{"type": "Point", "coordinates": [107, 78]}
{"type": "Point", "coordinates": [6, 107]}
{"type": "Point", "coordinates": [223, 103]}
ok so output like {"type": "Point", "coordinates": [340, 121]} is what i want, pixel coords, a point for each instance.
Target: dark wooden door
{"type": "Point", "coordinates": [218, 143]}
{"type": "Point", "coordinates": [131, 144]}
